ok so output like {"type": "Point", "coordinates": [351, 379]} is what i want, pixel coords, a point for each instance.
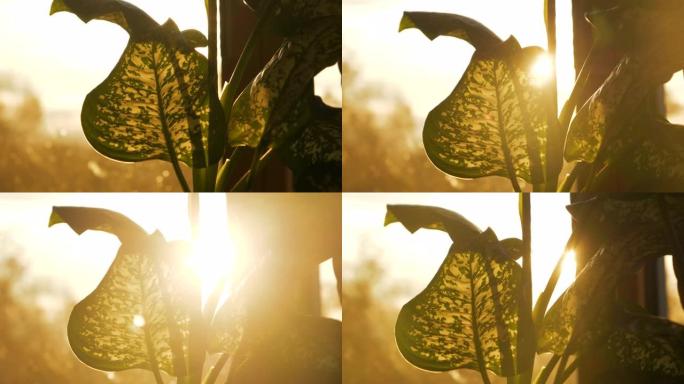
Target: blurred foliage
{"type": "Point", "coordinates": [36, 160]}
{"type": "Point", "coordinates": [33, 341]}
{"type": "Point", "coordinates": [383, 150]}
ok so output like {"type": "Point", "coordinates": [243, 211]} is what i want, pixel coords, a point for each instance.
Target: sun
{"type": "Point", "coordinates": [542, 70]}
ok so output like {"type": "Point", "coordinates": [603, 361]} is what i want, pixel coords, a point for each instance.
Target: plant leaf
{"type": "Point", "coordinates": [468, 312]}
{"type": "Point", "coordinates": [495, 121]}
{"type": "Point", "coordinates": [126, 15]}
{"type": "Point", "coordinates": [628, 230]}
{"type": "Point", "coordinates": [154, 104]}
{"type": "Point", "coordinates": [315, 153]}
{"type": "Point", "coordinates": [273, 95]}
{"type": "Point", "coordinates": [415, 217]}
{"type": "Point", "coordinates": [138, 316]}
{"type": "Point", "coordinates": [302, 349]}
{"type": "Point", "coordinates": [290, 15]}
{"type": "Point", "coordinates": [434, 25]}
{"type": "Point", "coordinates": [641, 342]}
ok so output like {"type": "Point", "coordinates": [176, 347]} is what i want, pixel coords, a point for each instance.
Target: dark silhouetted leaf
{"type": "Point", "coordinates": [301, 349]}
{"type": "Point", "coordinates": [467, 314]}
{"type": "Point", "coordinates": [126, 15]}
{"type": "Point", "coordinates": [434, 25]}
{"type": "Point", "coordinates": [265, 106]}
{"type": "Point", "coordinates": [314, 154]}
{"type": "Point", "coordinates": [138, 316]}
{"type": "Point", "coordinates": [290, 15]}
{"type": "Point", "coordinates": [415, 217]}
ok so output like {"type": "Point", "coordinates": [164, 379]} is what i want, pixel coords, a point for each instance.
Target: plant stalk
{"type": "Point", "coordinates": [544, 298]}
{"type": "Point", "coordinates": [561, 368]}
{"type": "Point", "coordinates": [554, 143]}
{"type": "Point", "coordinates": [243, 183]}
{"type": "Point", "coordinates": [545, 372]}
{"type": "Point", "coordinates": [526, 331]}
{"type": "Point", "coordinates": [216, 369]}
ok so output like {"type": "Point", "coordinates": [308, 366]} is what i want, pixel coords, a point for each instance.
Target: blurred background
{"type": "Point", "coordinates": [45, 271]}
{"type": "Point", "coordinates": [49, 64]}
{"type": "Point", "coordinates": [392, 80]}
{"type": "Point", "coordinates": [385, 267]}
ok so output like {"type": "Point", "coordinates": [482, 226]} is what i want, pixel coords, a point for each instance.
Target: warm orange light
{"type": "Point", "coordinates": [542, 70]}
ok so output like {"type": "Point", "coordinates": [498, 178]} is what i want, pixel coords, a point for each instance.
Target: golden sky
{"type": "Point", "coordinates": [63, 59]}
{"type": "Point", "coordinates": [80, 262]}
{"type": "Point", "coordinates": [415, 258]}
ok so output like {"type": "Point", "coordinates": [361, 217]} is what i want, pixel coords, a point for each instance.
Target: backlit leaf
{"type": "Point", "coordinates": [138, 316]}
{"type": "Point", "coordinates": [153, 105]}
{"type": "Point", "coordinates": [468, 312]}
{"type": "Point", "coordinates": [495, 121]}
{"type": "Point", "coordinates": [275, 92]}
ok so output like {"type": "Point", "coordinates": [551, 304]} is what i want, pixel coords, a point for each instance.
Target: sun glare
{"type": "Point", "coordinates": [138, 321]}
{"type": "Point", "coordinates": [542, 70]}
{"type": "Point", "coordinates": [212, 254]}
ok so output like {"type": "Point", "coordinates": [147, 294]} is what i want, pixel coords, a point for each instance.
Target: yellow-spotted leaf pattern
{"type": "Point", "coordinates": [634, 231]}
{"type": "Point", "coordinates": [314, 154]}
{"type": "Point", "coordinates": [300, 349]}
{"type": "Point", "coordinates": [154, 103]}
{"type": "Point", "coordinates": [268, 101]}
{"type": "Point", "coordinates": [468, 313]}
{"type": "Point", "coordinates": [139, 315]}
{"type": "Point", "coordinates": [289, 15]}
{"type": "Point", "coordinates": [495, 122]}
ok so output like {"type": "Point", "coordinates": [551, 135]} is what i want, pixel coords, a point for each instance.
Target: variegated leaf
{"type": "Point", "coordinates": [314, 154]}
{"type": "Point", "coordinates": [648, 156]}
{"type": "Point", "coordinates": [495, 122]}
{"type": "Point", "coordinates": [604, 115]}
{"type": "Point", "coordinates": [139, 315]}
{"type": "Point", "coordinates": [300, 349]}
{"type": "Point", "coordinates": [274, 94]}
{"type": "Point", "coordinates": [466, 315]}
{"type": "Point", "coordinates": [580, 305]}
{"type": "Point", "coordinates": [290, 15]}
{"type": "Point", "coordinates": [154, 104]}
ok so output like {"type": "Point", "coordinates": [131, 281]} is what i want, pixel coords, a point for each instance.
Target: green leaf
{"type": "Point", "coordinates": [495, 121]}
{"type": "Point", "coordinates": [415, 217]}
{"type": "Point", "coordinates": [314, 154]}
{"type": "Point", "coordinates": [139, 315]}
{"type": "Point", "coordinates": [154, 104]}
{"type": "Point", "coordinates": [468, 313]}
{"type": "Point", "coordinates": [604, 116]}
{"type": "Point", "coordinates": [434, 25]}
{"type": "Point", "coordinates": [260, 110]}
{"type": "Point", "coordinates": [641, 342]}
{"type": "Point", "coordinates": [290, 15]}
{"type": "Point", "coordinates": [301, 349]}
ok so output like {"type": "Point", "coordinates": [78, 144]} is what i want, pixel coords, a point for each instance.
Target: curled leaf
{"type": "Point", "coordinates": [415, 217]}
{"type": "Point", "coordinates": [290, 15]}
{"type": "Point", "coordinates": [434, 25]}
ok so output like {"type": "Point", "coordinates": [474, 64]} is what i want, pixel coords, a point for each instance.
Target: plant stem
{"type": "Point", "coordinates": [554, 143]}
{"type": "Point", "coordinates": [197, 337]}
{"type": "Point", "coordinates": [545, 296]}
{"type": "Point", "coordinates": [545, 372]}
{"type": "Point", "coordinates": [526, 331]}
{"type": "Point", "coordinates": [561, 367]}
{"type": "Point", "coordinates": [568, 371]}
{"type": "Point", "coordinates": [243, 183]}
{"type": "Point", "coordinates": [216, 369]}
